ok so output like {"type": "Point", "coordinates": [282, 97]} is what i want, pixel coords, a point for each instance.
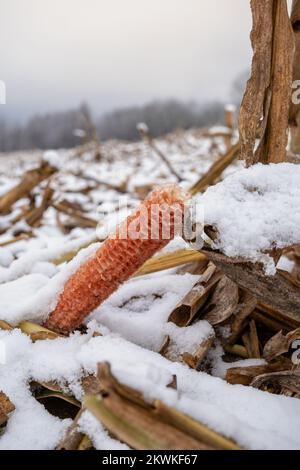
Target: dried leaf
{"type": "Point", "coordinates": [37, 332]}
{"type": "Point", "coordinates": [170, 260]}
{"type": "Point", "coordinates": [280, 344]}
{"type": "Point", "coordinates": [278, 380]}
{"type": "Point", "coordinates": [60, 395]}
{"type": "Point", "coordinates": [187, 310]}
{"type": "Point", "coordinates": [254, 342]}
{"type": "Point", "coordinates": [274, 319]}
{"type": "Point", "coordinates": [5, 326]}
{"type": "Point", "coordinates": [223, 302]}
{"type": "Point", "coordinates": [245, 375]}
{"type": "Point", "coordinates": [246, 305]}
{"type": "Point", "coordinates": [6, 407]}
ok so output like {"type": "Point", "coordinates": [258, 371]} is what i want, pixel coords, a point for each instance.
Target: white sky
{"type": "Point", "coordinates": [56, 53]}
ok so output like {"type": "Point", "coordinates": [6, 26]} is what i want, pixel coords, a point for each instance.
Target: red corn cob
{"type": "Point", "coordinates": [119, 258]}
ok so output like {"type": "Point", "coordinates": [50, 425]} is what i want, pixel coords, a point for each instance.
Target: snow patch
{"type": "Point", "coordinates": [255, 419]}
{"type": "Point", "coordinates": [255, 210]}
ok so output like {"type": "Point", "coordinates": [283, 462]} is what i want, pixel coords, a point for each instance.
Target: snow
{"type": "Point", "coordinates": [187, 340]}
{"type": "Point", "coordinates": [220, 367]}
{"type": "Point", "coordinates": [231, 108]}
{"type": "Point", "coordinates": [133, 322]}
{"type": "Point", "coordinates": [139, 310]}
{"type": "Point", "coordinates": [42, 267]}
{"type": "Point", "coordinates": [285, 264]}
{"type": "Point", "coordinates": [142, 127]}
{"type": "Point", "coordinates": [255, 210]}
{"type": "Point", "coordinates": [81, 133]}
{"type": "Point", "coordinates": [52, 157]}
{"type": "Point", "coordinates": [26, 262]}
{"type": "Point", "coordinates": [6, 258]}
{"type": "Point", "coordinates": [34, 296]}
{"type": "Point", "coordinates": [257, 420]}
{"type": "Point", "coordinates": [30, 426]}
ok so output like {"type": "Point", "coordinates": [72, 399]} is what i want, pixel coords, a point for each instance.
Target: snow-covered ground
{"type": "Point", "coordinates": [134, 320]}
{"type": "Point", "coordinates": [255, 419]}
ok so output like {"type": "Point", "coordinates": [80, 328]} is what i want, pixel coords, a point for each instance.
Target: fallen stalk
{"type": "Point", "coordinates": [30, 180]}
{"type": "Point", "coordinates": [145, 426]}
{"type": "Point", "coordinates": [216, 170]}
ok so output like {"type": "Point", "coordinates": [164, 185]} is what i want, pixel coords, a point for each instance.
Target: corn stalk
{"type": "Point", "coordinates": [265, 107]}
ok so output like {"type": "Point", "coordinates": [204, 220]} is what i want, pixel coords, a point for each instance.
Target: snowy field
{"type": "Point", "coordinates": [133, 322]}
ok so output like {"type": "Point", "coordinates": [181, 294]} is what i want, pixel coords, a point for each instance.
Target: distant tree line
{"type": "Point", "coordinates": [70, 128]}
{"type": "Point", "coordinates": [67, 129]}
{"type": "Point", "coordinates": [161, 118]}
{"type": "Point", "coordinates": [52, 130]}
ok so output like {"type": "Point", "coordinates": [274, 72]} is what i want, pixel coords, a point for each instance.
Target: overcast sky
{"type": "Point", "coordinates": [56, 53]}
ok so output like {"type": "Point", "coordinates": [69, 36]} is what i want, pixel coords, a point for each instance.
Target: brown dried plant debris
{"type": "Point", "coordinates": [30, 180]}
{"type": "Point", "coordinates": [280, 291]}
{"type": "Point", "coordinates": [280, 344]}
{"type": "Point", "coordinates": [6, 407]}
{"type": "Point", "coordinates": [265, 107]}
{"type": "Point", "coordinates": [148, 426]}
{"type": "Point", "coordinates": [245, 375]}
{"type": "Point", "coordinates": [278, 382]}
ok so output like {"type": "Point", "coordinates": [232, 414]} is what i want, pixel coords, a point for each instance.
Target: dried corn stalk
{"type": "Point", "coordinates": [279, 291]}
{"type": "Point", "coordinates": [216, 170]}
{"type": "Point", "coordinates": [80, 219]}
{"type": "Point", "coordinates": [265, 106]}
{"type": "Point", "coordinates": [145, 134]}
{"type": "Point", "coordinates": [33, 218]}
{"type": "Point", "coordinates": [30, 180]}
{"type": "Point", "coordinates": [187, 310]}
{"type": "Point", "coordinates": [148, 426]}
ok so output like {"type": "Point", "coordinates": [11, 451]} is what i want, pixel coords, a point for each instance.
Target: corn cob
{"type": "Point", "coordinates": [157, 219]}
